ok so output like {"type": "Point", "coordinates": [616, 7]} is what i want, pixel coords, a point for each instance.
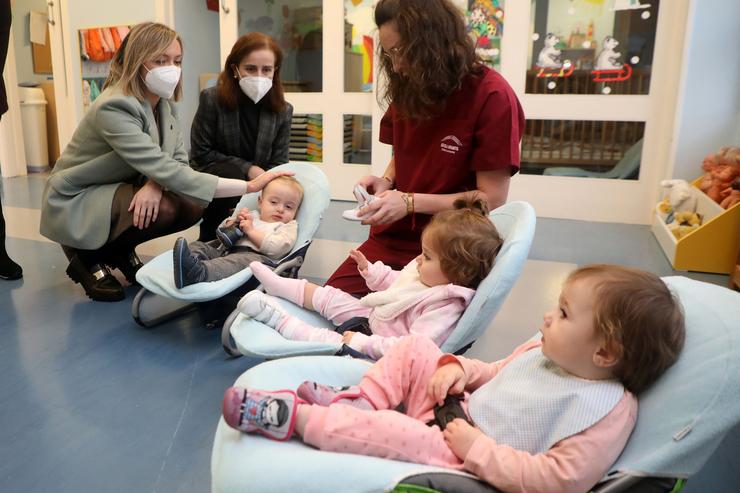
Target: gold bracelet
{"type": "Point", "coordinates": [408, 199]}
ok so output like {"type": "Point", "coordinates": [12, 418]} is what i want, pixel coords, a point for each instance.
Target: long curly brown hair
{"type": "Point", "coordinates": [436, 53]}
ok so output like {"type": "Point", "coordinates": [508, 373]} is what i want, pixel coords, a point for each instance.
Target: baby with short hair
{"type": "Point", "coordinates": [268, 233]}
{"type": "Point", "coordinates": [553, 416]}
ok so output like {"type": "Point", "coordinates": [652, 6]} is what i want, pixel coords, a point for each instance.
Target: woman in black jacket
{"type": "Point", "coordinates": [242, 126]}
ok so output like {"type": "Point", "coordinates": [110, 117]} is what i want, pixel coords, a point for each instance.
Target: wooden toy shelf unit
{"type": "Point", "coordinates": [712, 247]}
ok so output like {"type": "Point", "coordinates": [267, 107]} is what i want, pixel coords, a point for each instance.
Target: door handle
{"type": "Point", "coordinates": [224, 7]}
{"type": "Point", "coordinates": [50, 12]}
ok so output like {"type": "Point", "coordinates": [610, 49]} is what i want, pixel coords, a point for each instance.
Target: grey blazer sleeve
{"type": "Point", "coordinates": [282, 137]}
{"type": "Point", "coordinates": [203, 138]}
{"type": "Point", "coordinates": [120, 124]}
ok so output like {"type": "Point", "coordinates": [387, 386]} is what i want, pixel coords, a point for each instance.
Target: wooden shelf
{"type": "Point", "coordinates": [712, 247]}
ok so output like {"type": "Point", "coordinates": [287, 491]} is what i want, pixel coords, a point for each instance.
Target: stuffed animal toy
{"type": "Point", "coordinates": [684, 223]}
{"type": "Point", "coordinates": [731, 195]}
{"type": "Point", "coordinates": [720, 170]}
{"type": "Point", "coordinates": [678, 198]}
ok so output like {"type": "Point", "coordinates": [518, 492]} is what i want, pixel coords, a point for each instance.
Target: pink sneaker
{"type": "Point", "coordinates": [271, 413]}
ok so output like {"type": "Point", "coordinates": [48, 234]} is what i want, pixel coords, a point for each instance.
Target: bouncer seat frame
{"type": "Point", "coordinates": [159, 300]}
{"type": "Point", "coordinates": [669, 444]}
{"type": "Point", "coordinates": [515, 222]}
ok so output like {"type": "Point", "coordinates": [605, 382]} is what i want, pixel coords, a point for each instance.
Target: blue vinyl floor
{"type": "Point", "coordinates": [92, 402]}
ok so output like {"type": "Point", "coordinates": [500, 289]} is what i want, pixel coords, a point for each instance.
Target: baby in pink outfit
{"type": "Point", "coordinates": [553, 416]}
{"type": "Point", "coordinates": [427, 297]}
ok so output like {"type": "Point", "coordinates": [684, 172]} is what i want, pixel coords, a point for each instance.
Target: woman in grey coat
{"type": "Point", "coordinates": [124, 177]}
{"type": "Point", "coordinates": [242, 126]}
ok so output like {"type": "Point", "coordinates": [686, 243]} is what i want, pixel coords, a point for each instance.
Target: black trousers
{"type": "Point", "coordinates": [219, 209]}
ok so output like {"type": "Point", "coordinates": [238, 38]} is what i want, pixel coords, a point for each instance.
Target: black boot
{"type": "Point", "coordinates": [127, 262]}
{"type": "Point", "coordinates": [98, 282]}
{"type": "Point", "coordinates": [9, 270]}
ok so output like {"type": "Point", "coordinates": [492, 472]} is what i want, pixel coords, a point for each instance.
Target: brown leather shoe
{"type": "Point", "coordinates": [98, 282]}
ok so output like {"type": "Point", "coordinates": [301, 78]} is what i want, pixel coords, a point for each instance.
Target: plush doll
{"type": "Point", "coordinates": [684, 223]}
{"type": "Point", "coordinates": [720, 170]}
{"type": "Point", "coordinates": [678, 198]}
{"type": "Point", "coordinates": [731, 195]}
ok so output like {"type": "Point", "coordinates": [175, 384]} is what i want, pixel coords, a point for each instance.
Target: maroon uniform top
{"type": "Point", "coordinates": [478, 130]}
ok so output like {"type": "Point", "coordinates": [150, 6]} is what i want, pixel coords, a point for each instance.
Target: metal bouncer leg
{"type": "Point", "coordinates": [227, 342]}
{"type": "Point", "coordinates": [150, 310]}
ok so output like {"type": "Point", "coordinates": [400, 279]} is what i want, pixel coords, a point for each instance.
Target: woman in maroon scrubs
{"type": "Point", "coordinates": [454, 124]}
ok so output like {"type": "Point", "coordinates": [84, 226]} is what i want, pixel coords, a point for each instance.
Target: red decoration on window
{"type": "Point", "coordinates": [212, 5]}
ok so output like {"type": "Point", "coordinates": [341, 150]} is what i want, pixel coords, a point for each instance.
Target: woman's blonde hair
{"type": "Point", "coordinates": [465, 240]}
{"type": "Point", "coordinates": [145, 42]}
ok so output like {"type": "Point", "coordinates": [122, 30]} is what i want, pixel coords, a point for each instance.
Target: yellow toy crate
{"type": "Point", "coordinates": [712, 247]}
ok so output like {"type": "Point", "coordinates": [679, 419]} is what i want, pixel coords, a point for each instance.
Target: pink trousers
{"type": "Point", "coordinates": [330, 303]}
{"type": "Point", "coordinates": [399, 377]}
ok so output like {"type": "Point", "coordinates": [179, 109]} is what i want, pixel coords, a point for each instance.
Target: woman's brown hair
{"type": "Point", "coordinates": [436, 52]}
{"type": "Point", "coordinates": [639, 318]}
{"type": "Point", "coordinates": [227, 87]}
{"type": "Point", "coordinates": [465, 240]}
{"type": "Point", "coordinates": [145, 42]}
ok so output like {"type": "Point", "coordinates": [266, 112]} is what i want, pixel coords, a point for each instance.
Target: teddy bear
{"type": "Point", "coordinates": [684, 223]}
{"type": "Point", "coordinates": [608, 59]}
{"type": "Point", "coordinates": [549, 56]}
{"type": "Point", "coordinates": [720, 170]}
{"type": "Point", "coordinates": [679, 197]}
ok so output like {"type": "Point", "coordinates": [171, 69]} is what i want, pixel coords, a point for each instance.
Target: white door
{"type": "Point", "coordinates": [327, 71]}
{"type": "Point", "coordinates": [598, 79]}
{"type": "Point", "coordinates": [66, 19]}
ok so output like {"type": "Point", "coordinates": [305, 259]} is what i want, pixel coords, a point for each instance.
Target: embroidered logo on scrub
{"type": "Point", "coordinates": [450, 144]}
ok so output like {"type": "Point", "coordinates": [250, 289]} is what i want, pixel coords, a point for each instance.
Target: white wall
{"type": "Point", "coordinates": [22, 45]}
{"type": "Point", "coordinates": [709, 102]}
{"type": "Point", "coordinates": [199, 30]}
{"type": "Point", "coordinates": [84, 14]}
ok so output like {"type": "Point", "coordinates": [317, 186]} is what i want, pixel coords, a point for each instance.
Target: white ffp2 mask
{"type": "Point", "coordinates": [255, 87]}
{"type": "Point", "coordinates": [162, 81]}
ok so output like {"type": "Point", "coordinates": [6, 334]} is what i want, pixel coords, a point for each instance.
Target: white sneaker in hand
{"type": "Point", "coordinates": [363, 199]}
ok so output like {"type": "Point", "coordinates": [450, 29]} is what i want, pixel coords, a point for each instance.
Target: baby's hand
{"type": "Point", "coordinates": [447, 379]}
{"type": "Point", "coordinates": [242, 214]}
{"type": "Point", "coordinates": [460, 436]}
{"type": "Point", "coordinates": [347, 336]}
{"type": "Point", "coordinates": [362, 263]}
{"type": "Point", "coordinates": [246, 224]}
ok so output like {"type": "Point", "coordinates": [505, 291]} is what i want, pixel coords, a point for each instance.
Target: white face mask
{"type": "Point", "coordinates": [255, 87]}
{"type": "Point", "coordinates": [162, 81]}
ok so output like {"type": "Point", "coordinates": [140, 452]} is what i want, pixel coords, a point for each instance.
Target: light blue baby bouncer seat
{"type": "Point", "coordinates": [682, 419]}
{"type": "Point", "coordinates": [515, 222]}
{"type": "Point", "coordinates": [160, 300]}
